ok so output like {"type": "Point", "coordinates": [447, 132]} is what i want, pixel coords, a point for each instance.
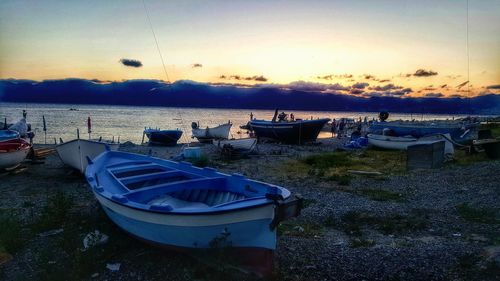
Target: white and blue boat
{"type": "Point", "coordinates": [163, 137]}
{"type": "Point", "coordinates": [178, 205]}
{"type": "Point", "coordinates": [8, 135]}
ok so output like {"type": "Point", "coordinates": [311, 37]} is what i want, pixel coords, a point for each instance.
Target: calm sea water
{"type": "Point", "coordinates": [128, 122]}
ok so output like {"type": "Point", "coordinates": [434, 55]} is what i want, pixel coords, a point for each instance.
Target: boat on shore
{"type": "Point", "coordinates": [177, 205]}
{"type": "Point", "coordinates": [13, 152]}
{"type": "Point", "coordinates": [74, 153]}
{"type": "Point", "coordinates": [163, 137]}
{"type": "Point", "coordinates": [402, 143]}
{"type": "Point", "coordinates": [8, 135]}
{"type": "Point", "coordinates": [296, 131]}
{"type": "Point", "coordinates": [243, 144]}
{"type": "Point", "coordinates": [460, 131]}
{"type": "Point", "coordinates": [208, 134]}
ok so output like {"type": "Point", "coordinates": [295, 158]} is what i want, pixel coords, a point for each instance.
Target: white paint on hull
{"type": "Point", "coordinates": [74, 153]}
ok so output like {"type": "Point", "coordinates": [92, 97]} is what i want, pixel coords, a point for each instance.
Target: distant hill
{"type": "Point", "coordinates": [194, 94]}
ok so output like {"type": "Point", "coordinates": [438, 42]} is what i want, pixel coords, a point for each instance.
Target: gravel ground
{"type": "Point", "coordinates": [314, 246]}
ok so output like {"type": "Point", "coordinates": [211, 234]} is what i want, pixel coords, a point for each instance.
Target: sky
{"type": "Point", "coordinates": [413, 46]}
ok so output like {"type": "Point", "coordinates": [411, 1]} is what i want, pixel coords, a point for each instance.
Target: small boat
{"type": "Point", "coordinates": [459, 131]}
{"type": "Point", "coordinates": [184, 207]}
{"type": "Point", "coordinates": [8, 135]}
{"type": "Point", "coordinates": [402, 143]}
{"type": "Point", "coordinates": [13, 152]}
{"type": "Point", "coordinates": [75, 152]}
{"type": "Point", "coordinates": [243, 144]}
{"type": "Point", "coordinates": [209, 134]}
{"type": "Point", "coordinates": [163, 137]}
{"type": "Point", "coordinates": [295, 132]}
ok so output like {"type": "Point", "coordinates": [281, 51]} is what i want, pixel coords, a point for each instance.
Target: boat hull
{"type": "Point", "coordinates": [206, 135]}
{"type": "Point", "coordinates": [165, 137]}
{"type": "Point", "coordinates": [10, 160]}
{"type": "Point", "coordinates": [8, 135]}
{"type": "Point", "coordinates": [246, 228]}
{"type": "Point", "coordinates": [296, 132]}
{"type": "Point", "coordinates": [74, 153]}
{"type": "Point", "coordinates": [247, 144]}
{"type": "Point", "coordinates": [402, 143]}
{"type": "Point", "coordinates": [458, 132]}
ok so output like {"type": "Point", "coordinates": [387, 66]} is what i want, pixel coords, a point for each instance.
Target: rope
{"type": "Point", "coordinates": [156, 40]}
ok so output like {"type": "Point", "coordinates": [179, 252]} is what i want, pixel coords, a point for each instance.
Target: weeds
{"type": "Point", "coordinates": [54, 213]}
{"type": "Point", "coordinates": [480, 215]}
{"type": "Point", "coordinates": [381, 195]}
{"type": "Point", "coordinates": [10, 232]}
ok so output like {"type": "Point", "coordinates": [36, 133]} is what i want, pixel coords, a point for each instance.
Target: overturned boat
{"type": "Point", "coordinates": [402, 143]}
{"type": "Point", "coordinates": [8, 135]}
{"type": "Point", "coordinates": [185, 207]}
{"type": "Point", "coordinates": [163, 137]}
{"type": "Point", "coordinates": [13, 152]}
{"type": "Point", "coordinates": [208, 134]}
{"type": "Point", "coordinates": [74, 153]}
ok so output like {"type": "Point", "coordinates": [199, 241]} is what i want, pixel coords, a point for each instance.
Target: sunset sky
{"type": "Point", "coordinates": [380, 43]}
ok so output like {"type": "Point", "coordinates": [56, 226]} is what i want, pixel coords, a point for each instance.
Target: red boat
{"type": "Point", "coordinates": [13, 152]}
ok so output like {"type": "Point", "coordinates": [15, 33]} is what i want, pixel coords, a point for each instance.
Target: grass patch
{"type": "Point", "coordinates": [361, 242]}
{"type": "Point", "coordinates": [301, 230]}
{"type": "Point", "coordinates": [463, 158]}
{"type": "Point", "coordinates": [54, 213]}
{"type": "Point", "coordinates": [201, 161]}
{"type": "Point", "coordinates": [11, 238]}
{"type": "Point", "coordinates": [353, 222]}
{"type": "Point", "coordinates": [479, 215]}
{"type": "Point", "coordinates": [334, 166]}
{"type": "Point", "coordinates": [381, 195]}
{"type": "Point", "coordinates": [308, 202]}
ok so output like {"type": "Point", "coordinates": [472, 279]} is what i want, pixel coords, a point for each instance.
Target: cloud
{"type": "Point", "coordinates": [453, 76]}
{"type": "Point", "coordinates": [194, 65]}
{"type": "Point", "coordinates": [355, 91]}
{"type": "Point", "coordinates": [331, 76]}
{"type": "Point", "coordinates": [443, 86]}
{"type": "Point", "coordinates": [493, 87]}
{"type": "Point", "coordinates": [384, 80]}
{"type": "Point", "coordinates": [462, 84]}
{"type": "Point", "coordinates": [397, 93]}
{"type": "Point", "coordinates": [131, 62]}
{"type": "Point", "coordinates": [386, 87]}
{"type": "Point", "coordinates": [434, 95]}
{"type": "Point", "coordinates": [369, 77]}
{"type": "Point", "coordinates": [424, 73]}
{"type": "Point", "coordinates": [257, 78]}
{"type": "Point", "coordinates": [315, 87]}
{"type": "Point", "coordinates": [360, 85]}
{"type": "Point", "coordinates": [429, 89]}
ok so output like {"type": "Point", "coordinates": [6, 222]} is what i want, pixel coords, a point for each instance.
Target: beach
{"type": "Point", "coordinates": [439, 224]}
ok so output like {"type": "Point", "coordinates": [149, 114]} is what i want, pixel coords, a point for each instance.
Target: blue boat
{"type": "Point", "coordinates": [178, 205]}
{"type": "Point", "coordinates": [163, 137]}
{"type": "Point", "coordinates": [459, 131]}
{"type": "Point", "coordinates": [8, 135]}
{"type": "Point", "coordinates": [293, 132]}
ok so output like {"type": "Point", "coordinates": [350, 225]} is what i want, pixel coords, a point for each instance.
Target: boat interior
{"type": "Point", "coordinates": [168, 188]}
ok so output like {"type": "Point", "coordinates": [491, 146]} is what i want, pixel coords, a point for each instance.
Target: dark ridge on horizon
{"type": "Point", "coordinates": [204, 95]}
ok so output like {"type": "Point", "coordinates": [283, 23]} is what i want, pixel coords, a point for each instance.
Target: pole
{"type": "Point", "coordinates": [89, 126]}
{"type": "Point", "coordinates": [44, 128]}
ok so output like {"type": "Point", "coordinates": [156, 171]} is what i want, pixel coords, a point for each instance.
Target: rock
{"type": "Point", "coordinates": [492, 253]}
{"type": "Point", "coordinates": [51, 232]}
{"type": "Point", "coordinates": [113, 266]}
{"type": "Point", "coordinates": [94, 275]}
{"type": "Point", "coordinates": [93, 239]}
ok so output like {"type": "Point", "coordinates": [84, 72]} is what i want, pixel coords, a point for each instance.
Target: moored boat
{"type": "Point", "coordinates": [209, 134]}
{"type": "Point", "coordinates": [13, 152]}
{"type": "Point", "coordinates": [402, 143]}
{"type": "Point", "coordinates": [297, 131]}
{"type": "Point", "coordinates": [243, 144]}
{"type": "Point", "coordinates": [75, 152]}
{"type": "Point", "coordinates": [163, 137]}
{"type": "Point", "coordinates": [8, 135]}
{"type": "Point", "coordinates": [178, 205]}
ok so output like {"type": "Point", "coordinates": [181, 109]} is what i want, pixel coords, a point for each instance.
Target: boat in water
{"type": "Point", "coordinates": [402, 143]}
{"type": "Point", "coordinates": [243, 144]}
{"type": "Point", "coordinates": [184, 207]}
{"type": "Point", "coordinates": [8, 135]}
{"type": "Point", "coordinates": [163, 137]}
{"type": "Point", "coordinates": [459, 131]}
{"type": "Point", "coordinates": [208, 134]}
{"type": "Point", "coordinates": [295, 131]}
{"type": "Point", "coordinates": [74, 153]}
{"type": "Point", "coordinates": [13, 152]}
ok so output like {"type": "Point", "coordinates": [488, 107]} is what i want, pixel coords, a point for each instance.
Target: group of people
{"type": "Point", "coordinates": [339, 128]}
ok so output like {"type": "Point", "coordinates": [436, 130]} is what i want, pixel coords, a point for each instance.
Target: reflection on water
{"type": "Point", "coordinates": [128, 122]}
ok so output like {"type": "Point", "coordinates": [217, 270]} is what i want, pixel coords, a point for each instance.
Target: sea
{"type": "Point", "coordinates": [127, 123]}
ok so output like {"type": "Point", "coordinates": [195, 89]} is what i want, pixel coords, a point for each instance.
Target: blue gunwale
{"type": "Point", "coordinates": [254, 191]}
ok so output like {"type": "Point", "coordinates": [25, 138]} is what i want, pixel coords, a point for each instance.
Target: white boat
{"type": "Point", "coordinates": [208, 134]}
{"type": "Point", "coordinates": [13, 152]}
{"type": "Point", "coordinates": [402, 143]}
{"type": "Point", "coordinates": [74, 153]}
{"type": "Point", "coordinates": [244, 144]}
